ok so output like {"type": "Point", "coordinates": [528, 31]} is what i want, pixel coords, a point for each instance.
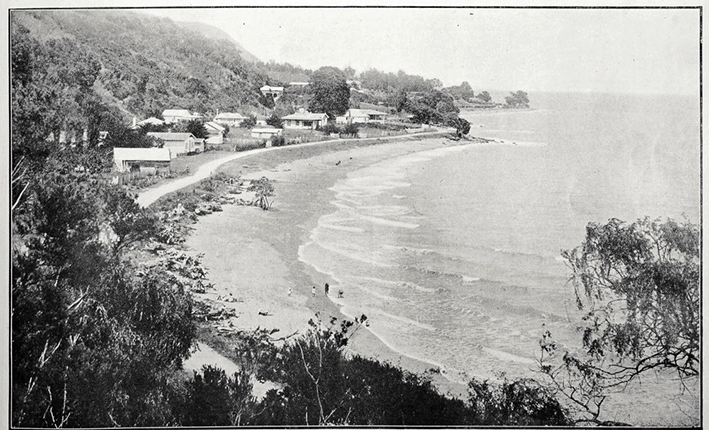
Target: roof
{"type": "Point", "coordinates": [151, 120]}
{"type": "Point", "coordinates": [299, 84]}
{"type": "Point", "coordinates": [176, 112]}
{"type": "Point", "coordinates": [229, 115]}
{"type": "Point", "coordinates": [265, 130]}
{"type": "Point", "coordinates": [172, 136]}
{"type": "Point", "coordinates": [269, 88]}
{"type": "Point", "coordinates": [306, 116]}
{"type": "Point", "coordinates": [142, 154]}
{"type": "Point", "coordinates": [214, 125]}
{"type": "Point", "coordinates": [365, 112]}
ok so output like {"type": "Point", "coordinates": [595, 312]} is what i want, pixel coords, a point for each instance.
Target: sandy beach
{"type": "Point", "coordinates": [252, 255]}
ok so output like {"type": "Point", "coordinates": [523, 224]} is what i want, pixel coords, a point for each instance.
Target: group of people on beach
{"type": "Point", "coordinates": [340, 293]}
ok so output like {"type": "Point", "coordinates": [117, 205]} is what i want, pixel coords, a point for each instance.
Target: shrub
{"type": "Point", "coordinates": [248, 122]}
{"type": "Point", "coordinates": [275, 120]}
{"type": "Point", "coordinates": [330, 128]}
{"type": "Point", "coordinates": [278, 141]}
{"type": "Point", "coordinates": [350, 130]}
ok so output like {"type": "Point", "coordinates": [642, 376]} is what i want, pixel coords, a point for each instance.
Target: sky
{"type": "Point", "coordinates": [636, 50]}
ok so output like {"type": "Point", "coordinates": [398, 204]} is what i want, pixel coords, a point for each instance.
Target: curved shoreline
{"type": "Point", "coordinates": [266, 245]}
{"type": "Point", "coordinates": [149, 196]}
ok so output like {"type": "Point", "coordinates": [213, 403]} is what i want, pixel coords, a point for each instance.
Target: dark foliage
{"type": "Point", "coordinates": [350, 130]}
{"type": "Point", "coordinates": [523, 402]}
{"type": "Point", "coordinates": [278, 141]}
{"type": "Point", "coordinates": [196, 127]}
{"type": "Point", "coordinates": [146, 64]}
{"type": "Point", "coordinates": [92, 343]}
{"type": "Point", "coordinates": [331, 128]}
{"type": "Point", "coordinates": [213, 399]}
{"type": "Point", "coordinates": [321, 384]}
{"type": "Point", "coordinates": [484, 96]}
{"type": "Point", "coordinates": [331, 94]}
{"type": "Point", "coordinates": [462, 126]}
{"type": "Point", "coordinates": [275, 120]}
{"type": "Point", "coordinates": [640, 286]}
{"type": "Point", "coordinates": [249, 122]}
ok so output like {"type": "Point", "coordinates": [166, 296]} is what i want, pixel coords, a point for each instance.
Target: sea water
{"type": "Point", "coordinates": [454, 253]}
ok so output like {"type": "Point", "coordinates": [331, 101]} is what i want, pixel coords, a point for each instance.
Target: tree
{"type": "Point", "coordinates": [639, 286]}
{"type": "Point", "coordinates": [275, 120]}
{"type": "Point", "coordinates": [463, 91]}
{"type": "Point", "coordinates": [462, 126]}
{"type": "Point", "coordinates": [248, 122]}
{"type": "Point", "coordinates": [517, 100]}
{"type": "Point", "coordinates": [523, 402]}
{"type": "Point", "coordinates": [484, 96]}
{"type": "Point", "coordinates": [93, 342]}
{"type": "Point", "coordinates": [331, 94]}
{"type": "Point", "coordinates": [213, 399]}
{"type": "Point", "coordinates": [196, 127]}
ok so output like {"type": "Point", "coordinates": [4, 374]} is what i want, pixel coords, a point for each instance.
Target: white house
{"type": "Point", "coordinates": [265, 132]}
{"type": "Point", "coordinates": [216, 133]}
{"type": "Point", "coordinates": [231, 119]}
{"type": "Point", "coordinates": [151, 121]}
{"type": "Point", "coordinates": [305, 120]}
{"type": "Point", "coordinates": [274, 92]}
{"type": "Point", "coordinates": [179, 143]}
{"type": "Point", "coordinates": [150, 160]}
{"type": "Point", "coordinates": [361, 116]}
{"type": "Point", "coordinates": [177, 115]}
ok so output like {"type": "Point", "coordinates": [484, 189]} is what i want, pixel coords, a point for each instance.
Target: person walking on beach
{"type": "Point", "coordinates": [290, 291]}
{"type": "Point", "coordinates": [327, 289]}
{"type": "Point", "coordinates": [313, 290]}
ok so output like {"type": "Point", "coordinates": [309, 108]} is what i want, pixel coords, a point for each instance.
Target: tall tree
{"type": "Point", "coordinates": [517, 99]}
{"type": "Point", "coordinates": [484, 96]}
{"type": "Point", "coordinates": [639, 285]}
{"type": "Point", "coordinates": [331, 94]}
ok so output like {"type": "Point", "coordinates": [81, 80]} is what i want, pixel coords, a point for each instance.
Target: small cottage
{"type": "Point", "coordinates": [232, 119]}
{"type": "Point", "coordinates": [148, 160]}
{"type": "Point", "coordinates": [216, 133]}
{"type": "Point", "coordinates": [179, 143]}
{"type": "Point", "coordinates": [361, 116]}
{"type": "Point", "coordinates": [176, 115]}
{"type": "Point", "coordinates": [273, 92]}
{"type": "Point", "coordinates": [305, 120]}
{"type": "Point", "coordinates": [266, 132]}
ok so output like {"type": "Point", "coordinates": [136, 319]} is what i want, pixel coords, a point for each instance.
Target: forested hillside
{"type": "Point", "coordinates": [146, 64]}
{"type": "Point", "coordinates": [217, 34]}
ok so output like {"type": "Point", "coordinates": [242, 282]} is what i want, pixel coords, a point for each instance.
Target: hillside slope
{"type": "Point", "coordinates": [149, 64]}
{"type": "Point", "coordinates": [211, 32]}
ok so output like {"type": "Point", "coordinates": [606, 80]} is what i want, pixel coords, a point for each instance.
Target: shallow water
{"type": "Point", "coordinates": [454, 253]}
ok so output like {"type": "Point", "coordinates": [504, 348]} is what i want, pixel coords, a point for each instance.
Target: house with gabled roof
{"type": "Point", "coordinates": [216, 133]}
{"type": "Point", "coordinates": [177, 115]}
{"type": "Point", "coordinates": [179, 143]}
{"type": "Point", "coordinates": [266, 132]}
{"type": "Point", "coordinates": [232, 119]}
{"type": "Point", "coordinates": [274, 92]}
{"type": "Point", "coordinates": [150, 160]}
{"type": "Point", "coordinates": [359, 116]}
{"type": "Point", "coordinates": [305, 120]}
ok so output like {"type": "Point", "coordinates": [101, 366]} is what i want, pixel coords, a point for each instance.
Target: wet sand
{"type": "Point", "coordinates": [253, 254]}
